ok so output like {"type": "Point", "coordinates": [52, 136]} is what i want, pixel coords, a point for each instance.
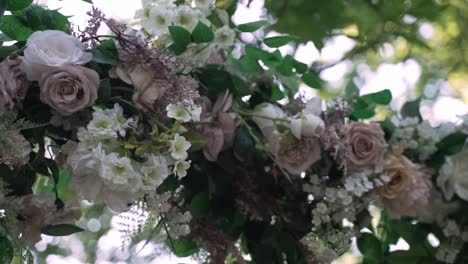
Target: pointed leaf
{"type": "Point", "coordinates": [278, 41]}
{"type": "Point", "coordinates": [61, 230]}
{"type": "Point", "coordinates": [252, 26]}
{"type": "Point", "coordinates": [312, 80]}
{"type": "Point", "coordinates": [202, 33]}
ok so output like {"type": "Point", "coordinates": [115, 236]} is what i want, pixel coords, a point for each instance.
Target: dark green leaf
{"type": "Point", "coordinates": [370, 247]}
{"type": "Point", "coordinates": [452, 144]}
{"type": "Point", "coordinates": [39, 18]}
{"type": "Point", "coordinates": [202, 33]}
{"type": "Point", "coordinates": [14, 5]}
{"type": "Point", "coordinates": [300, 67]}
{"type": "Point", "coordinates": [61, 230]}
{"type": "Point", "coordinates": [276, 93]}
{"type": "Point", "coordinates": [200, 204]}
{"type": "Point", "coordinates": [244, 147]}
{"type": "Point", "coordinates": [183, 247]}
{"type": "Point", "coordinates": [197, 140]}
{"type": "Point", "coordinates": [278, 41]}
{"type": "Point", "coordinates": [411, 109]}
{"type": "Point", "coordinates": [312, 80]}
{"type": "Point", "coordinates": [106, 53]}
{"type": "Point", "coordinates": [286, 66]}
{"type": "Point", "coordinates": [15, 28]}
{"type": "Point", "coordinates": [351, 89]}
{"type": "Point", "coordinates": [383, 97]}
{"type": "Point", "coordinates": [105, 90]}
{"type": "Point", "coordinates": [252, 26]}
{"type": "Point", "coordinates": [181, 38]}
{"type": "Point", "coordinates": [6, 51]}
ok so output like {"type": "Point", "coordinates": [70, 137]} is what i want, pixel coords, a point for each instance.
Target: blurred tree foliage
{"type": "Point", "coordinates": [442, 52]}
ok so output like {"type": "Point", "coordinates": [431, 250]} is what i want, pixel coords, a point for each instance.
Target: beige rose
{"type": "Point", "coordinates": [148, 86]}
{"type": "Point", "coordinates": [365, 146]}
{"type": "Point", "coordinates": [400, 171]}
{"type": "Point", "coordinates": [409, 189]}
{"type": "Point", "coordinates": [13, 85]}
{"type": "Point", "coordinates": [69, 89]}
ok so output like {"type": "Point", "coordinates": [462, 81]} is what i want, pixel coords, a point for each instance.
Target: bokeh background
{"type": "Point", "coordinates": [415, 48]}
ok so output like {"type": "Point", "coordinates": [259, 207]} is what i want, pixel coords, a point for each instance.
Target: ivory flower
{"type": "Point", "coordinates": [52, 48]}
{"type": "Point", "coordinates": [154, 172]}
{"type": "Point", "coordinates": [453, 176]}
{"type": "Point", "coordinates": [180, 168]}
{"type": "Point", "coordinates": [224, 37]}
{"type": "Point", "coordinates": [179, 147]}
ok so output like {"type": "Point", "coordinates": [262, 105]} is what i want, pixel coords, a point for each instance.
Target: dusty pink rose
{"type": "Point", "coordinates": [13, 85]}
{"type": "Point", "coordinates": [297, 155]}
{"type": "Point", "coordinates": [409, 188]}
{"type": "Point", "coordinates": [69, 89]}
{"type": "Point", "coordinates": [365, 146]}
{"type": "Point", "coordinates": [222, 132]}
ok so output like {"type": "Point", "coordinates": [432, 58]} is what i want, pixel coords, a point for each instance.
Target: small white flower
{"type": "Point", "coordinates": [224, 37]}
{"type": "Point", "coordinates": [453, 176]}
{"type": "Point", "coordinates": [154, 171]}
{"type": "Point", "coordinates": [102, 125]}
{"type": "Point", "coordinates": [158, 21]}
{"type": "Point", "coordinates": [204, 4]}
{"type": "Point", "coordinates": [121, 124]}
{"type": "Point", "coordinates": [180, 168]}
{"type": "Point", "coordinates": [184, 111]}
{"type": "Point", "coordinates": [119, 173]}
{"type": "Point", "coordinates": [179, 147]}
{"type": "Point", "coordinates": [186, 17]}
{"type": "Point", "coordinates": [306, 125]}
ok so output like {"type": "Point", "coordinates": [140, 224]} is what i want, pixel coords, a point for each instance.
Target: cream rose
{"type": "Point", "coordinates": [148, 88]}
{"type": "Point", "coordinates": [365, 146]}
{"type": "Point", "coordinates": [453, 176]}
{"type": "Point", "coordinates": [69, 89]}
{"type": "Point", "coordinates": [409, 189]}
{"type": "Point", "coordinates": [52, 48]}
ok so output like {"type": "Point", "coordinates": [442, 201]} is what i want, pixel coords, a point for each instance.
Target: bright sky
{"type": "Point", "coordinates": [399, 78]}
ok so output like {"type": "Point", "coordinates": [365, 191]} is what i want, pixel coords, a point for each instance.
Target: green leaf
{"type": "Point", "coordinates": [88, 1]}
{"type": "Point", "coordinates": [106, 53]}
{"type": "Point", "coordinates": [383, 97]}
{"type": "Point", "coordinates": [183, 247]}
{"type": "Point", "coordinates": [244, 146]}
{"type": "Point", "coordinates": [14, 5]}
{"type": "Point", "coordinates": [6, 51]}
{"type": "Point", "coordinates": [278, 41]}
{"type": "Point", "coordinates": [181, 38]}
{"type": "Point", "coordinates": [197, 140]}
{"type": "Point", "coordinates": [202, 33]}
{"type": "Point", "coordinates": [312, 80]}
{"type": "Point", "coordinates": [61, 230]}
{"type": "Point", "coordinates": [39, 18]}
{"type": "Point", "coordinates": [276, 93]}
{"type": "Point", "coordinates": [286, 66]}
{"type": "Point", "coordinates": [452, 144]}
{"type": "Point", "coordinates": [300, 67]}
{"type": "Point", "coordinates": [15, 28]}
{"type": "Point", "coordinates": [351, 89]}
{"type": "Point", "coordinates": [105, 90]}
{"type": "Point", "coordinates": [411, 109]}
{"type": "Point", "coordinates": [252, 26]}
{"type": "Point", "coordinates": [200, 204]}
{"type": "Point", "coordinates": [370, 247]}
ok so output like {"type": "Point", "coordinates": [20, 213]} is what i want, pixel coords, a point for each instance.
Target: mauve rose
{"type": "Point", "coordinates": [409, 189]}
{"type": "Point", "coordinates": [365, 146]}
{"type": "Point", "coordinates": [222, 132]}
{"type": "Point", "coordinates": [13, 85]}
{"type": "Point", "coordinates": [69, 89]}
{"type": "Point", "coordinates": [148, 86]}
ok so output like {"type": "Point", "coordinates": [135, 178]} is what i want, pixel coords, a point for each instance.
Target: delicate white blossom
{"type": "Point", "coordinates": [179, 147]}
{"type": "Point", "coordinates": [180, 168]}
{"type": "Point", "coordinates": [224, 37]}
{"type": "Point", "coordinates": [453, 176]}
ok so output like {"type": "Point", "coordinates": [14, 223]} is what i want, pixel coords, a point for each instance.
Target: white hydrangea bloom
{"type": "Point", "coordinates": [180, 168]}
{"type": "Point", "coordinates": [224, 37]}
{"type": "Point", "coordinates": [179, 147]}
{"type": "Point", "coordinates": [119, 174]}
{"type": "Point", "coordinates": [184, 112]}
{"type": "Point", "coordinates": [102, 125]}
{"type": "Point", "coordinates": [186, 17]}
{"type": "Point", "coordinates": [154, 172]}
{"type": "Point", "coordinates": [158, 21]}
{"type": "Point", "coordinates": [204, 4]}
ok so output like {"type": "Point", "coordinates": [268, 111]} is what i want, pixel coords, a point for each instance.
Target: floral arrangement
{"type": "Point", "coordinates": [182, 119]}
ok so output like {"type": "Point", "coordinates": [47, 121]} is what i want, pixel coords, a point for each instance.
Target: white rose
{"type": "Point", "coordinates": [265, 115]}
{"type": "Point", "coordinates": [52, 48]}
{"type": "Point", "coordinates": [307, 125]}
{"type": "Point", "coordinates": [453, 176]}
